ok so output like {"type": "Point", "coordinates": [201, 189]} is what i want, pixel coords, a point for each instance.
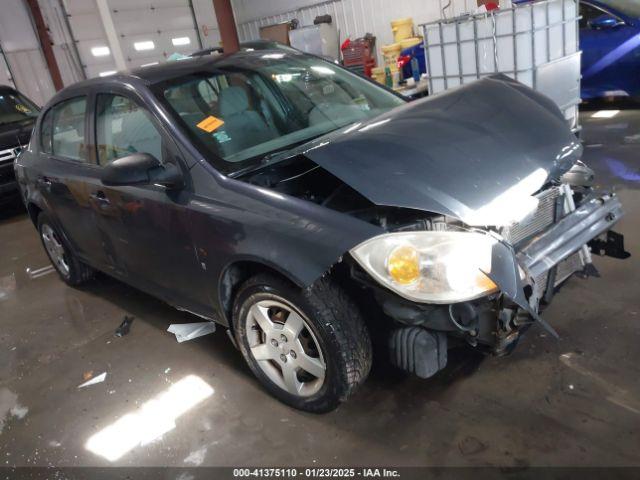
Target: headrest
{"type": "Point", "coordinates": [233, 100]}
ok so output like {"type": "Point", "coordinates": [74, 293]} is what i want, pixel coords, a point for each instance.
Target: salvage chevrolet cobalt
{"type": "Point", "coordinates": [312, 212]}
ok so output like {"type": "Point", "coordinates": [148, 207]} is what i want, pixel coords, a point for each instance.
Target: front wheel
{"type": "Point", "coordinates": [309, 348]}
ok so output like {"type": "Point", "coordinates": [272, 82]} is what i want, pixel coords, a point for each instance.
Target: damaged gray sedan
{"type": "Point", "coordinates": [314, 214]}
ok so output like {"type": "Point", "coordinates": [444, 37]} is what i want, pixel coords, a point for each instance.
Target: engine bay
{"type": "Point", "coordinates": [300, 177]}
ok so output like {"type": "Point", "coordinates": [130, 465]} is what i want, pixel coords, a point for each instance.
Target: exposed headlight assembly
{"type": "Point", "coordinates": [430, 267]}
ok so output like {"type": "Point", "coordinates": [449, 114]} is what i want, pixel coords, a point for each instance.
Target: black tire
{"type": "Point", "coordinates": [336, 324]}
{"type": "Point", "coordinates": [78, 272]}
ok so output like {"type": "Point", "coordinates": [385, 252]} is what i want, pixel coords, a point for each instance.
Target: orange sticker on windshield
{"type": "Point", "coordinates": [22, 108]}
{"type": "Point", "coordinates": [210, 124]}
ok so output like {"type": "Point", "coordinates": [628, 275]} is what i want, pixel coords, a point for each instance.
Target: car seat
{"type": "Point", "coordinates": [139, 134]}
{"type": "Point", "coordinates": [244, 128]}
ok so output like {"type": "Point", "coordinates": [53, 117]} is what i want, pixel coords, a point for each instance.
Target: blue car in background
{"type": "Point", "coordinates": [610, 44]}
{"type": "Point", "coordinates": [610, 41]}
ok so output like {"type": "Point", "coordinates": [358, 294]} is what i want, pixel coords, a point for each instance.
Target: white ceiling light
{"type": "Point", "coordinates": [100, 51]}
{"type": "Point", "coordinates": [605, 114]}
{"type": "Point", "coordinates": [178, 41]}
{"type": "Point", "coordinates": [149, 64]}
{"type": "Point", "coordinates": [107, 73]}
{"type": "Point", "coordinates": [144, 45]}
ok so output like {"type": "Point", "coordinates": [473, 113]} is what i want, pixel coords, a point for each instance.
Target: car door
{"type": "Point", "coordinates": [151, 240]}
{"type": "Point", "coordinates": [611, 52]}
{"type": "Point", "coordinates": [67, 177]}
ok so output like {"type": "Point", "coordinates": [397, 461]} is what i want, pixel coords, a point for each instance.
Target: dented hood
{"type": "Point", "coordinates": [472, 153]}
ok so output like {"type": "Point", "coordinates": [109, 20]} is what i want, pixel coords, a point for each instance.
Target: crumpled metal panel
{"type": "Point", "coordinates": [455, 153]}
{"type": "Point", "coordinates": [506, 274]}
{"type": "Point", "coordinates": [593, 217]}
{"type": "Point", "coordinates": [512, 272]}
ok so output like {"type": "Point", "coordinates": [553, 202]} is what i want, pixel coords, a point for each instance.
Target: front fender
{"type": "Point", "coordinates": [241, 222]}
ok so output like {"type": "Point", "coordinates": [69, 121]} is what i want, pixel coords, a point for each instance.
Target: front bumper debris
{"type": "Point", "coordinates": [548, 258]}
{"type": "Point", "coordinates": [594, 217]}
{"type": "Point", "coordinates": [611, 246]}
{"type": "Point", "coordinates": [513, 272]}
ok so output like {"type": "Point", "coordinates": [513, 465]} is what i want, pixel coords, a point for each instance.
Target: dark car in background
{"type": "Point", "coordinates": [309, 210]}
{"type": "Point", "coordinates": [610, 43]}
{"type": "Point", "coordinates": [18, 115]}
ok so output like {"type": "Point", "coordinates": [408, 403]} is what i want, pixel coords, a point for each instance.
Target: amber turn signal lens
{"type": "Point", "coordinates": [484, 283]}
{"type": "Point", "coordinates": [403, 265]}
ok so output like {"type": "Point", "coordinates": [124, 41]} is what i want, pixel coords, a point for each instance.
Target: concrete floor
{"type": "Point", "coordinates": [570, 402]}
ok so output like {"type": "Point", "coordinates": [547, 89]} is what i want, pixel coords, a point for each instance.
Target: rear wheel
{"type": "Point", "coordinates": [309, 348]}
{"type": "Point", "coordinates": [68, 266]}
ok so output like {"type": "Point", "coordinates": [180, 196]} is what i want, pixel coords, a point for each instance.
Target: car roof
{"type": "Point", "coordinates": [148, 76]}
{"type": "Point", "coordinates": [174, 69]}
{"type": "Point", "coordinates": [249, 59]}
{"type": "Point", "coordinates": [245, 46]}
{"type": "Point", "coordinates": [165, 71]}
{"type": "Point", "coordinates": [7, 88]}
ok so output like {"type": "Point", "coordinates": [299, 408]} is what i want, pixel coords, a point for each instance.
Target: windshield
{"type": "Point", "coordinates": [15, 107]}
{"type": "Point", "coordinates": [630, 8]}
{"type": "Point", "coordinates": [243, 111]}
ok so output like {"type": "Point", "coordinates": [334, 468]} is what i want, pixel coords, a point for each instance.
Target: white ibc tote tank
{"type": "Point", "coordinates": [536, 43]}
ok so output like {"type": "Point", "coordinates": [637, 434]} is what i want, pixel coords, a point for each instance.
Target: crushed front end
{"type": "Point", "coordinates": [527, 263]}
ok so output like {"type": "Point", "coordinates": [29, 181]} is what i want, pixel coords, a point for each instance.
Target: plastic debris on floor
{"type": "Point", "coordinates": [34, 273]}
{"type": "Point", "coordinates": [124, 327]}
{"type": "Point", "coordinates": [189, 331]}
{"type": "Point", "coordinates": [95, 380]}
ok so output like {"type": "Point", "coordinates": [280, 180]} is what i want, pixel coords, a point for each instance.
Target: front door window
{"type": "Point", "coordinates": [124, 128]}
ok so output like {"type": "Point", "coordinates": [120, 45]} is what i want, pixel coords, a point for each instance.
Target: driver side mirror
{"type": "Point", "coordinates": [142, 169]}
{"type": "Point", "coordinates": [605, 22]}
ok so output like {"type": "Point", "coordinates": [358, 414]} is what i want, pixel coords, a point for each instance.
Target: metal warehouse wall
{"type": "Point", "coordinates": [132, 23]}
{"type": "Point", "coordinates": [22, 51]}
{"type": "Point", "coordinates": [85, 45]}
{"type": "Point", "coordinates": [94, 37]}
{"type": "Point", "coordinates": [354, 18]}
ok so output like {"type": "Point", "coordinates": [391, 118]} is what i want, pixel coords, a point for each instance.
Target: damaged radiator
{"type": "Point", "coordinates": [554, 204]}
{"type": "Point", "coordinates": [541, 219]}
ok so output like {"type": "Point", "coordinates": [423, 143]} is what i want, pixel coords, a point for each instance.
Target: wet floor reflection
{"type": "Point", "coordinates": [151, 421]}
{"type": "Point", "coordinates": [7, 286]}
{"type": "Point", "coordinates": [611, 137]}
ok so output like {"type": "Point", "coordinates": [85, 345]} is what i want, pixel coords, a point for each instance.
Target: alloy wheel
{"type": "Point", "coordinates": [55, 249]}
{"type": "Point", "coordinates": [285, 348]}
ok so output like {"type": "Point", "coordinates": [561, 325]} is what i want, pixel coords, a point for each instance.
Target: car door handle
{"type": "Point", "coordinates": [100, 198]}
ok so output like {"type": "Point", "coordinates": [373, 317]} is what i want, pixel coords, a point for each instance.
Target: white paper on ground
{"type": "Point", "coordinates": [189, 331]}
{"type": "Point", "coordinates": [97, 379]}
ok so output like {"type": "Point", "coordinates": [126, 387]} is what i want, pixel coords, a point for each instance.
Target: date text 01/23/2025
{"type": "Point", "coordinates": [315, 473]}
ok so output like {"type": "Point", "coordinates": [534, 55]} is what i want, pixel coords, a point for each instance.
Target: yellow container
{"type": "Point", "coordinates": [410, 42]}
{"type": "Point", "coordinates": [391, 53]}
{"type": "Point", "coordinates": [378, 74]}
{"type": "Point", "coordinates": [402, 28]}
